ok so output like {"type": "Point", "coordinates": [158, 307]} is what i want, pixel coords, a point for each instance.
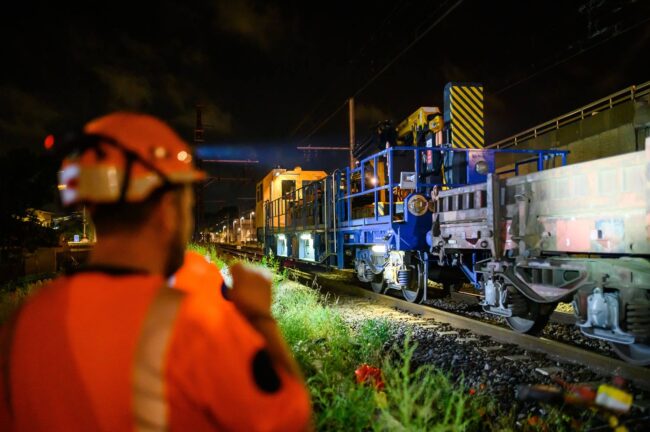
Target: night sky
{"type": "Point", "coordinates": [268, 72]}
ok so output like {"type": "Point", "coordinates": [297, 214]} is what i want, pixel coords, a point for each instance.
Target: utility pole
{"type": "Point", "coordinates": [352, 137]}
{"type": "Point", "coordinates": [198, 189]}
{"type": "Point", "coordinates": [349, 149]}
{"type": "Point", "coordinates": [83, 221]}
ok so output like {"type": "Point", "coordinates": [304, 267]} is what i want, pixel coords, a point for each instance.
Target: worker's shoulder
{"type": "Point", "coordinates": [90, 288]}
{"type": "Point", "coordinates": [22, 300]}
{"type": "Point", "coordinates": [45, 292]}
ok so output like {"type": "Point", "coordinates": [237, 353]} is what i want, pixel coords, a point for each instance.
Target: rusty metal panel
{"type": "Point", "coordinates": [592, 207]}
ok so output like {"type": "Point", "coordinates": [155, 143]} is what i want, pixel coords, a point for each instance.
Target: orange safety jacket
{"type": "Point", "coordinates": [102, 350]}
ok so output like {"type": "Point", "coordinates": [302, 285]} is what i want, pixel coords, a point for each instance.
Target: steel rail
{"type": "Point", "coordinates": [557, 351]}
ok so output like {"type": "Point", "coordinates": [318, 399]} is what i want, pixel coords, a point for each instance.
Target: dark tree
{"type": "Point", "coordinates": [27, 182]}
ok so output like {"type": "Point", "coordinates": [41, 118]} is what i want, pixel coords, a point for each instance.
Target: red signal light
{"type": "Point", "coordinates": [49, 142]}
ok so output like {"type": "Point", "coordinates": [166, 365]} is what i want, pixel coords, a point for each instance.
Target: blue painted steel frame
{"type": "Point", "coordinates": [385, 229]}
{"type": "Point", "coordinates": [360, 231]}
{"type": "Point", "coordinates": [541, 156]}
{"type": "Point", "coordinates": [469, 271]}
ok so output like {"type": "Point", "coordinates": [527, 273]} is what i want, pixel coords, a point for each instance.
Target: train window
{"type": "Point", "coordinates": [288, 187]}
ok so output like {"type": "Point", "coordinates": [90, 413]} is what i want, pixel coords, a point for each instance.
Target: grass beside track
{"type": "Point", "coordinates": [329, 351]}
{"type": "Point", "coordinates": [414, 399]}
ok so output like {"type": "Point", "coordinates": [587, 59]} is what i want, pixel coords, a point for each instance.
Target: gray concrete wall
{"type": "Point", "coordinates": [621, 129]}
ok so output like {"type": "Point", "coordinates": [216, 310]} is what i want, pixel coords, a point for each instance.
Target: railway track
{"type": "Point", "coordinates": [555, 351]}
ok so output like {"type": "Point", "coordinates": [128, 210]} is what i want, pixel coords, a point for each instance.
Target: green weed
{"type": "Point", "coordinates": [208, 251]}
{"type": "Point", "coordinates": [425, 398]}
{"type": "Point", "coordinates": [329, 351]}
{"type": "Point", "coordinates": [12, 296]}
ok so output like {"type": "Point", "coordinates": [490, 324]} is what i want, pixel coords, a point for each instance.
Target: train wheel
{"type": "Point", "coordinates": [379, 285]}
{"type": "Point", "coordinates": [636, 354]}
{"type": "Point", "coordinates": [531, 317]}
{"type": "Point", "coordinates": [414, 291]}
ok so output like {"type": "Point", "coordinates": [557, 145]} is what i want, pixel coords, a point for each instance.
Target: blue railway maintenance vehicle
{"type": "Point", "coordinates": [431, 206]}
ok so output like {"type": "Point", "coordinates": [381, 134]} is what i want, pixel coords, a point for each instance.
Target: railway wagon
{"type": "Point", "coordinates": [373, 218]}
{"type": "Point", "coordinates": [278, 183]}
{"type": "Point", "coordinates": [578, 233]}
{"type": "Point", "coordinates": [561, 234]}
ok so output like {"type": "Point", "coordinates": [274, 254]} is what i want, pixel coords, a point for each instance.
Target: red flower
{"type": "Point", "coordinates": [369, 374]}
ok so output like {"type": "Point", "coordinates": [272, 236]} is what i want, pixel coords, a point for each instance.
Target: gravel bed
{"type": "Point", "coordinates": [561, 332]}
{"type": "Point", "coordinates": [456, 353]}
{"type": "Point", "coordinates": [565, 333]}
{"type": "Point", "coordinates": [462, 354]}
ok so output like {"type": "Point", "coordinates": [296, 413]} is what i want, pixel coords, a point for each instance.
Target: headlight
{"type": "Point", "coordinates": [481, 167]}
{"type": "Point", "coordinates": [418, 205]}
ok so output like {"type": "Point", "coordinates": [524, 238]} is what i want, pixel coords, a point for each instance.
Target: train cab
{"type": "Point", "coordinates": [280, 183]}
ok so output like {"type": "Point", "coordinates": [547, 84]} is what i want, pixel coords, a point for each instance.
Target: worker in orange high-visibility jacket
{"type": "Point", "coordinates": [112, 346]}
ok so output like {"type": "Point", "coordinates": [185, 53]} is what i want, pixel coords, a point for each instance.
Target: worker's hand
{"type": "Point", "coordinates": [251, 291]}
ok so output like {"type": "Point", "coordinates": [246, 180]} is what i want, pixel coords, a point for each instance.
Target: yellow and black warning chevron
{"type": "Point", "coordinates": [466, 103]}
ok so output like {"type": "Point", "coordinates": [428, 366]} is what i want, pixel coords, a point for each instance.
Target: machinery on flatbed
{"type": "Point", "coordinates": [434, 208]}
{"type": "Point", "coordinates": [572, 234]}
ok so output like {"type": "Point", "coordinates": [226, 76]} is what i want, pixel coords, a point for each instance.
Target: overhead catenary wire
{"type": "Point", "coordinates": [294, 131]}
{"type": "Point", "coordinates": [408, 47]}
{"type": "Point", "coordinates": [383, 69]}
{"type": "Point", "coordinates": [566, 59]}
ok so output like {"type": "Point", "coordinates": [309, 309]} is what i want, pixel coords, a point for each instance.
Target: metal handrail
{"type": "Point", "coordinates": [278, 206]}
{"type": "Point", "coordinates": [628, 94]}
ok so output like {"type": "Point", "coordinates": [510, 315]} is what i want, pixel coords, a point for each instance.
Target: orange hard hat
{"type": "Point", "coordinates": [124, 157]}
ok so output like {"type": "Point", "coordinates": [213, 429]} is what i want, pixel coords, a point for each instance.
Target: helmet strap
{"type": "Point", "coordinates": [130, 158]}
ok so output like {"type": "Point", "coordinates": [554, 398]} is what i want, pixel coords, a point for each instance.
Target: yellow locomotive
{"type": "Point", "coordinates": [280, 183]}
